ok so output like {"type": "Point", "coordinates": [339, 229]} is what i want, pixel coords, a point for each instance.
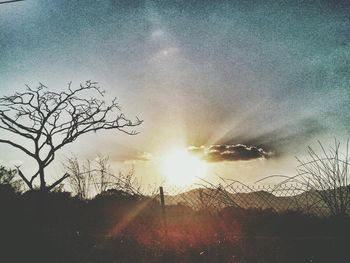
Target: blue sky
{"type": "Point", "coordinates": [270, 74]}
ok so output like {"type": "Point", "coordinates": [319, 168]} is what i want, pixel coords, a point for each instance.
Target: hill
{"type": "Point", "coordinates": [218, 198]}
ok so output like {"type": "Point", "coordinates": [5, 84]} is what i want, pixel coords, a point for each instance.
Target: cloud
{"type": "Point", "coordinates": [127, 157]}
{"type": "Point", "coordinates": [144, 156]}
{"type": "Point", "coordinates": [224, 152]}
{"type": "Point", "coordinates": [213, 153]}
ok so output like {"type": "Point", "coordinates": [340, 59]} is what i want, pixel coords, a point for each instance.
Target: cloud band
{"type": "Point", "coordinates": [220, 153]}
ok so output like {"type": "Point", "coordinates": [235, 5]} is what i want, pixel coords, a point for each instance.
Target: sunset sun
{"type": "Point", "coordinates": [181, 168]}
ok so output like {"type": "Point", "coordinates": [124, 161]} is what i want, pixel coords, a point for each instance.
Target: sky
{"type": "Point", "coordinates": [247, 85]}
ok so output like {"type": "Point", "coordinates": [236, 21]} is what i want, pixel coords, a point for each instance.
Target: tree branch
{"type": "Point", "coordinates": [49, 188]}
{"type": "Point", "coordinates": [18, 146]}
{"type": "Point", "coordinates": [29, 184]}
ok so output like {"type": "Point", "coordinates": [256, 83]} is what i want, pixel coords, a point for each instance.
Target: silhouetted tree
{"type": "Point", "coordinates": [50, 120]}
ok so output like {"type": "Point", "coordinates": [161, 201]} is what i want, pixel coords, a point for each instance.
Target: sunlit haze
{"type": "Point", "coordinates": [182, 168]}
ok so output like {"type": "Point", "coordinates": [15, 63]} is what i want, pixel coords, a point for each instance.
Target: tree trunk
{"type": "Point", "coordinates": [42, 178]}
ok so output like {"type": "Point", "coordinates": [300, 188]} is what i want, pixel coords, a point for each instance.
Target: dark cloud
{"type": "Point", "coordinates": [238, 152]}
{"type": "Point", "coordinates": [213, 153]}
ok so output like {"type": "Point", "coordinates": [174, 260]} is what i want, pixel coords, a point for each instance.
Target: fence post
{"type": "Point", "coordinates": [162, 203]}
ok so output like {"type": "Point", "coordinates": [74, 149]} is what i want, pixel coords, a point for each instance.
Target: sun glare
{"type": "Point", "coordinates": [181, 168]}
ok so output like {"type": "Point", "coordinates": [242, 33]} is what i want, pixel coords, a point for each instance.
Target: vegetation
{"type": "Point", "coordinates": [93, 177]}
{"type": "Point", "coordinates": [8, 180]}
{"type": "Point", "coordinates": [50, 120]}
{"type": "Point", "coordinates": [327, 175]}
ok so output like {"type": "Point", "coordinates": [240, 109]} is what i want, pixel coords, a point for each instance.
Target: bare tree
{"type": "Point", "coordinates": [80, 176]}
{"type": "Point", "coordinates": [50, 120]}
{"type": "Point", "coordinates": [104, 170]}
{"type": "Point", "coordinates": [88, 177]}
{"type": "Point", "coordinates": [93, 177]}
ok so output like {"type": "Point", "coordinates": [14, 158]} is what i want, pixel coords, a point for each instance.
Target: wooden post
{"type": "Point", "coordinates": [162, 200]}
{"type": "Point", "coordinates": [162, 203]}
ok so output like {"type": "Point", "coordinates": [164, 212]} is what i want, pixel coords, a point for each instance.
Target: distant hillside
{"type": "Point", "coordinates": [200, 198]}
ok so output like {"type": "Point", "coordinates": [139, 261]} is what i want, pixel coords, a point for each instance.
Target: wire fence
{"type": "Point", "coordinates": [278, 198]}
